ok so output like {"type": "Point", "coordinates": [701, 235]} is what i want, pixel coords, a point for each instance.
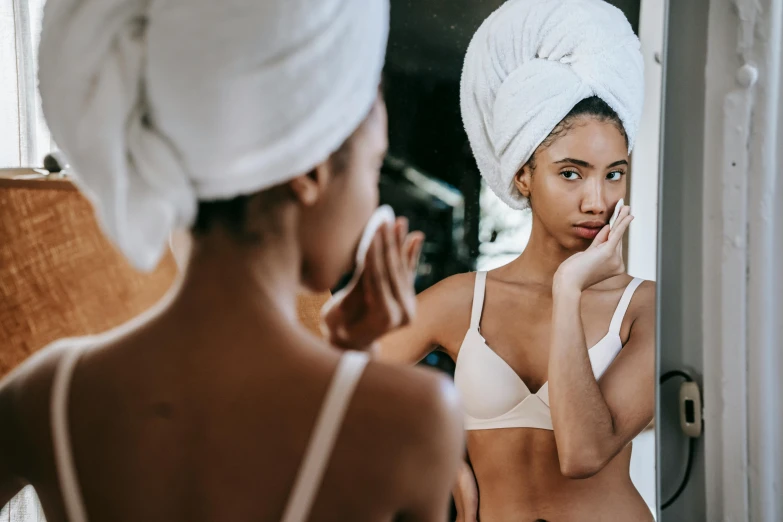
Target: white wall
{"type": "Point", "coordinates": [742, 283]}
{"type": "Point", "coordinates": [645, 165]}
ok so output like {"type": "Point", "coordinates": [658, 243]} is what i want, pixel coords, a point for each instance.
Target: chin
{"type": "Point", "coordinates": [577, 244]}
{"type": "Point", "coordinates": [318, 280]}
{"type": "Point", "coordinates": [324, 273]}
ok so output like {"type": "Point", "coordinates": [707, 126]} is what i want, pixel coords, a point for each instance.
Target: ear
{"type": "Point", "coordinates": [523, 180]}
{"type": "Point", "coordinates": [308, 189]}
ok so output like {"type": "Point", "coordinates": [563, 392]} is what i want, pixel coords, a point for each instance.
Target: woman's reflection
{"type": "Point", "coordinates": [554, 352]}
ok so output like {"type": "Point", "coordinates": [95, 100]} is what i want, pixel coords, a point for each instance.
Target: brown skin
{"type": "Point", "coordinates": [541, 313]}
{"type": "Point", "coordinates": [203, 411]}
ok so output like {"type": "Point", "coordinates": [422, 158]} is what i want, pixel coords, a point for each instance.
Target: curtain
{"type": "Point", "coordinates": [24, 137]}
{"type": "Point", "coordinates": [23, 508]}
{"type": "Point", "coordinates": [24, 141]}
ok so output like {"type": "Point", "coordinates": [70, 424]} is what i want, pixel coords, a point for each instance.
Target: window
{"type": "Point", "coordinates": [24, 141]}
{"type": "Point", "coordinates": [24, 138]}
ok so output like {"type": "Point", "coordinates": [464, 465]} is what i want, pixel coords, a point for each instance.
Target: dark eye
{"type": "Point", "coordinates": [615, 175]}
{"type": "Point", "coordinates": [570, 175]}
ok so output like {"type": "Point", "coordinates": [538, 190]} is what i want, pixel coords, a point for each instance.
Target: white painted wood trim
{"type": "Point", "coordinates": [26, 83]}
{"type": "Point", "coordinates": [645, 160]}
{"type": "Point", "coordinates": [723, 299]}
{"type": "Point", "coordinates": [742, 360]}
{"type": "Point", "coordinates": [765, 281]}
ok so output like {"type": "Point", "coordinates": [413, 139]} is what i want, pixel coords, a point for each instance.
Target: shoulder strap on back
{"type": "Point", "coordinates": [478, 299]}
{"type": "Point", "coordinates": [327, 426]}
{"type": "Point", "coordinates": [66, 470]}
{"type": "Point", "coordinates": [622, 306]}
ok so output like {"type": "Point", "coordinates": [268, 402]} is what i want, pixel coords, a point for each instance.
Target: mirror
{"type": "Point", "coordinates": [431, 177]}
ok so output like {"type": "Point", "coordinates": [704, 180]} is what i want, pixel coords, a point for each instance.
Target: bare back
{"type": "Point", "coordinates": [164, 426]}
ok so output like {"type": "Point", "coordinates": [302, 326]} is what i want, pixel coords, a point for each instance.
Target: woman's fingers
{"type": "Point", "coordinates": [601, 238]}
{"type": "Point", "coordinates": [390, 270]}
{"type": "Point", "coordinates": [413, 251]}
{"type": "Point", "coordinates": [620, 227]}
{"type": "Point", "coordinates": [394, 264]}
{"type": "Point", "coordinates": [402, 237]}
{"type": "Point", "coordinates": [382, 266]}
{"type": "Point", "coordinates": [385, 297]}
{"type": "Point", "coordinates": [371, 280]}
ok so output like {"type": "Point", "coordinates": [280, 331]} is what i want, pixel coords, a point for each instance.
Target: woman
{"type": "Point", "coordinates": [550, 99]}
{"type": "Point", "coordinates": [260, 126]}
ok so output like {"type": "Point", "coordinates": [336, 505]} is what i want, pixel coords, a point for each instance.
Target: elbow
{"type": "Point", "coordinates": [581, 463]}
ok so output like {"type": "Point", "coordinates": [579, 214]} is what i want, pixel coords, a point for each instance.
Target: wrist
{"type": "Point", "coordinates": [563, 286]}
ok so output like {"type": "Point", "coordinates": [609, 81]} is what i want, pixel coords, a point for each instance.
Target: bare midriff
{"type": "Point", "coordinates": [519, 480]}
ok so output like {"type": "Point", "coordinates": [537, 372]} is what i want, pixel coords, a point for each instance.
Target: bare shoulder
{"type": "Point", "coordinates": [455, 290]}
{"type": "Point", "coordinates": [415, 415]}
{"type": "Point", "coordinates": [643, 304]}
{"type": "Point", "coordinates": [25, 396]}
{"type": "Point", "coordinates": [641, 315]}
{"type": "Point", "coordinates": [423, 400]}
{"type": "Point", "coordinates": [445, 310]}
{"type": "Point", "coordinates": [33, 377]}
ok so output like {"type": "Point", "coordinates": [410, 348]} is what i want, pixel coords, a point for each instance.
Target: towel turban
{"type": "Point", "coordinates": [158, 104]}
{"type": "Point", "coordinates": [529, 64]}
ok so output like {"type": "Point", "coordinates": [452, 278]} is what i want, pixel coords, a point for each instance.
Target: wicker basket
{"type": "Point", "coordinates": [60, 277]}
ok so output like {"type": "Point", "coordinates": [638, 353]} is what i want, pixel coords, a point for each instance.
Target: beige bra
{"type": "Point", "coordinates": [494, 396]}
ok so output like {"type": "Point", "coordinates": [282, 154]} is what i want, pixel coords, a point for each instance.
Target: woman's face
{"type": "Point", "coordinates": [577, 181]}
{"type": "Point", "coordinates": [331, 229]}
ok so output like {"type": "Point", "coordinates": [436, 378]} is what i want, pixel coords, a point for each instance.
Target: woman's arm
{"type": "Point", "coordinates": [442, 316]}
{"type": "Point", "coordinates": [465, 494]}
{"type": "Point", "coordinates": [411, 343]}
{"type": "Point", "coordinates": [10, 480]}
{"type": "Point", "coordinates": [592, 420]}
{"type": "Point", "coordinates": [440, 312]}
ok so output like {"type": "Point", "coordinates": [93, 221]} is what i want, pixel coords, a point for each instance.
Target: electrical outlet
{"type": "Point", "coordinates": [690, 409]}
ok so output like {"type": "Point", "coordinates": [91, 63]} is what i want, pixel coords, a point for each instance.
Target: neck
{"type": "Point", "coordinates": [258, 281]}
{"type": "Point", "coordinates": [541, 258]}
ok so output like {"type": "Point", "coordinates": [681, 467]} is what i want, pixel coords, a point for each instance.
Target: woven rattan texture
{"type": "Point", "coordinates": [59, 276]}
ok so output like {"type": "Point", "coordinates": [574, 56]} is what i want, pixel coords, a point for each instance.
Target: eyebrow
{"type": "Point", "coordinates": [618, 163]}
{"type": "Point", "coordinates": [586, 165]}
{"type": "Point", "coordinates": [581, 163]}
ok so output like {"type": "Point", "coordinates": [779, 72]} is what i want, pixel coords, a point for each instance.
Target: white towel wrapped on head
{"type": "Point", "coordinates": [160, 104]}
{"type": "Point", "coordinates": [529, 64]}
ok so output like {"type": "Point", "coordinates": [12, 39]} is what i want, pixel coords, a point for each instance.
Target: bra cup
{"type": "Point", "coordinates": [488, 386]}
{"type": "Point", "coordinates": [601, 356]}
{"type": "Point", "coordinates": [494, 396]}
{"type": "Point", "coordinates": [543, 393]}
{"type": "Point", "coordinates": [604, 352]}
{"type": "Point", "coordinates": [532, 412]}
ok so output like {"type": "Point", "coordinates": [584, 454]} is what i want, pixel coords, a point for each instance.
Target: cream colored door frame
{"type": "Point", "coordinates": [742, 283]}
{"type": "Point", "coordinates": [645, 160]}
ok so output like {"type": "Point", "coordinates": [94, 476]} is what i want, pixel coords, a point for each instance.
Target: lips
{"type": "Point", "coordinates": [588, 229]}
{"type": "Point", "coordinates": [587, 233]}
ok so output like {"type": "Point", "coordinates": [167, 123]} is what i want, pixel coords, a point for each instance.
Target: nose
{"type": "Point", "coordinates": [594, 198]}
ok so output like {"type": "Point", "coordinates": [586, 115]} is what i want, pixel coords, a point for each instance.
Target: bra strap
{"type": "Point", "coordinates": [63, 452]}
{"type": "Point", "coordinates": [622, 306]}
{"type": "Point", "coordinates": [478, 300]}
{"type": "Point", "coordinates": [324, 436]}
